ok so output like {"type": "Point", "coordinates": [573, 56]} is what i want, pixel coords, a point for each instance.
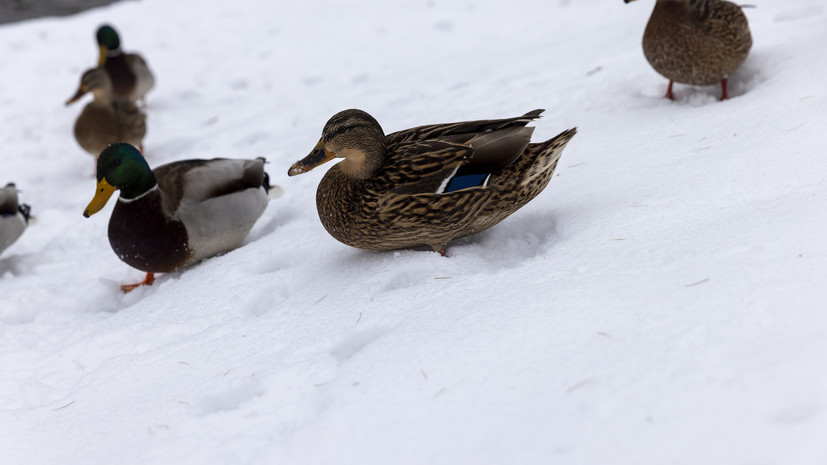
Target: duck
{"type": "Point", "coordinates": [105, 120]}
{"type": "Point", "coordinates": [14, 216]}
{"type": "Point", "coordinates": [696, 42]}
{"type": "Point", "coordinates": [179, 213]}
{"type": "Point", "coordinates": [427, 185]}
{"type": "Point", "coordinates": [129, 72]}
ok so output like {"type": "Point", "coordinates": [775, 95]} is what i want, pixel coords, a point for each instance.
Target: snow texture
{"type": "Point", "coordinates": [663, 301]}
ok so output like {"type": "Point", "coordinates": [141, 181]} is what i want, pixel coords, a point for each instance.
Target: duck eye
{"type": "Point", "coordinates": [341, 129]}
{"type": "Point", "coordinates": [117, 162]}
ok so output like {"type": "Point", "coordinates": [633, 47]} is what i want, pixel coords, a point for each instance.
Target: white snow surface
{"type": "Point", "coordinates": [663, 301]}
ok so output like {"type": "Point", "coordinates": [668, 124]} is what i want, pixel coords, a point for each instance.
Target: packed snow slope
{"type": "Point", "coordinates": [662, 302]}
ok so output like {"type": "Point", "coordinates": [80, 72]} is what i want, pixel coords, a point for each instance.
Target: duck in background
{"type": "Point", "coordinates": [131, 77]}
{"type": "Point", "coordinates": [180, 212]}
{"type": "Point", "coordinates": [14, 216]}
{"type": "Point", "coordinates": [106, 119]}
{"type": "Point", "coordinates": [696, 42]}
{"type": "Point", "coordinates": [428, 185]}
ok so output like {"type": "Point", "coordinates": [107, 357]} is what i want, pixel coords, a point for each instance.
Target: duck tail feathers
{"type": "Point", "coordinates": [546, 154]}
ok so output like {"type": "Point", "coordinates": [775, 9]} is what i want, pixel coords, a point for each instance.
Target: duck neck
{"type": "Point", "coordinates": [113, 52]}
{"type": "Point", "coordinates": [140, 185]}
{"type": "Point", "coordinates": [362, 163]}
{"type": "Point", "coordinates": [102, 97]}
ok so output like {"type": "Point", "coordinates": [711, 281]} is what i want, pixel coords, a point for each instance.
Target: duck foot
{"type": "Point", "coordinates": [440, 249]}
{"type": "Point", "coordinates": [150, 278]}
{"type": "Point", "coordinates": [723, 86]}
{"type": "Point", "coordinates": [669, 93]}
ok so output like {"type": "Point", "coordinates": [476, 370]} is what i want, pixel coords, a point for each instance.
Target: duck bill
{"type": "Point", "coordinates": [80, 93]}
{"type": "Point", "coordinates": [318, 156]}
{"type": "Point", "coordinates": [102, 194]}
{"type": "Point", "coordinates": [103, 53]}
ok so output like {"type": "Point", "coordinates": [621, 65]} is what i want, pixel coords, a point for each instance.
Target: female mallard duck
{"type": "Point", "coordinates": [130, 75]}
{"type": "Point", "coordinates": [180, 212]}
{"type": "Point", "coordinates": [14, 217]}
{"type": "Point", "coordinates": [428, 185]}
{"type": "Point", "coordinates": [696, 42]}
{"type": "Point", "coordinates": [106, 120]}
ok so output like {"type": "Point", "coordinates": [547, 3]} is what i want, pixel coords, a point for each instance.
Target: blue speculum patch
{"type": "Point", "coordinates": [466, 181]}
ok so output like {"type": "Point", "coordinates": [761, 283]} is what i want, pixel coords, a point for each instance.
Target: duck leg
{"type": "Point", "coordinates": [723, 86]}
{"type": "Point", "coordinates": [150, 278]}
{"type": "Point", "coordinates": [669, 93]}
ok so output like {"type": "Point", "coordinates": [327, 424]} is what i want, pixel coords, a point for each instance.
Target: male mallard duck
{"type": "Point", "coordinates": [14, 217]}
{"type": "Point", "coordinates": [130, 75]}
{"type": "Point", "coordinates": [428, 185]}
{"type": "Point", "coordinates": [106, 120]}
{"type": "Point", "coordinates": [696, 42]}
{"type": "Point", "coordinates": [178, 213]}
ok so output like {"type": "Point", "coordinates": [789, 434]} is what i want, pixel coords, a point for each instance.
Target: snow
{"type": "Point", "coordinates": [662, 302]}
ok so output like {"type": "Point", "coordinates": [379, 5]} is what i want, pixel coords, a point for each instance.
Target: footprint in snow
{"type": "Point", "coordinates": [230, 398]}
{"type": "Point", "coordinates": [355, 342]}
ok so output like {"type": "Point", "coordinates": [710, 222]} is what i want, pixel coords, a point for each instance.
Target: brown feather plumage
{"type": "Point", "coordinates": [399, 203]}
{"type": "Point", "coordinates": [696, 42]}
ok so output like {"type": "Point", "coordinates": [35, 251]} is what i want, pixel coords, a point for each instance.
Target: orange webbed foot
{"type": "Point", "coordinates": [150, 278]}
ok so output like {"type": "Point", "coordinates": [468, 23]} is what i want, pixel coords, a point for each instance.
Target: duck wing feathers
{"type": "Point", "coordinates": [419, 172]}
{"type": "Point", "coordinates": [196, 180]}
{"type": "Point", "coordinates": [467, 128]}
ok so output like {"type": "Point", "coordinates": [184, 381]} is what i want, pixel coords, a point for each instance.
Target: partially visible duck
{"type": "Point", "coordinates": [14, 216]}
{"type": "Point", "coordinates": [130, 75]}
{"type": "Point", "coordinates": [696, 42]}
{"type": "Point", "coordinates": [106, 120]}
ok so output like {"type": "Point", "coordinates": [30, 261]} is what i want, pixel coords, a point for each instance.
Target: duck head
{"type": "Point", "coordinates": [352, 135]}
{"type": "Point", "coordinates": [108, 43]}
{"type": "Point", "coordinates": [120, 167]}
{"type": "Point", "coordinates": [94, 80]}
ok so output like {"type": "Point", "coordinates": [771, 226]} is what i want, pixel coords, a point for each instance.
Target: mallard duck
{"type": "Point", "coordinates": [106, 120]}
{"type": "Point", "coordinates": [178, 213]}
{"type": "Point", "coordinates": [14, 216]}
{"type": "Point", "coordinates": [696, 42]}
{"type": "Point", "coordinates": [428, 185]}
{"type": "Point", "coordinates": [130, 75]}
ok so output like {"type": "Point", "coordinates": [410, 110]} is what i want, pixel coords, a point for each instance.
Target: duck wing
{"type": "Point", "coordinates": [130, 121]}
{"type": "Point", "coordinates": [468, 129]}
{"type": "Point", "coordinates": [144, 79]}
{"type": "Point", "coordinates": [197, 180]}
{"type": "Point", "coordinates": [419, 173]}
{"type": "Point", "coordinates": [495, 143]}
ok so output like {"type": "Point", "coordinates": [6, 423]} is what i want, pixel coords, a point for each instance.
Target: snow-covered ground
{"type": "Point", "coordinates": [662, 302]}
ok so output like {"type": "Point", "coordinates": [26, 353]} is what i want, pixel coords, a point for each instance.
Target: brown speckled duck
{"type": "Point", "coordinates": [428, 185]}
{"type": "Point", "coordinates": [106, 120]}
{"type": "Point", "coordinates": [178, 213]}
{"type": "Point", "coordinates": [696, 42]}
